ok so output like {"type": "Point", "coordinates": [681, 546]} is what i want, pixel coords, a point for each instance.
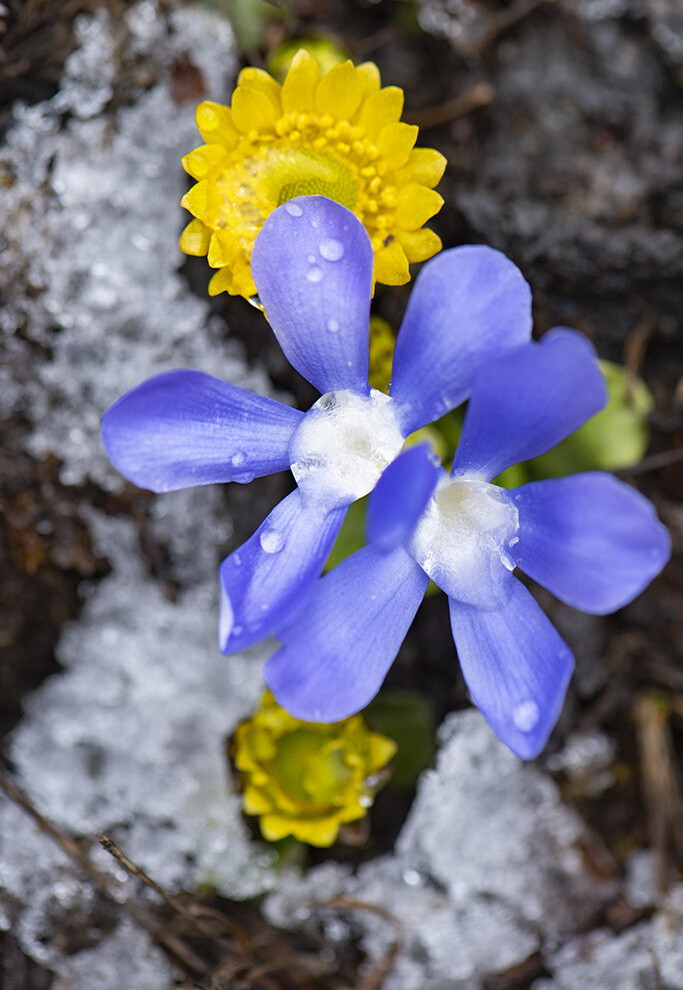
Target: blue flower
{"type": "Point", "coordinates": [312, 265]}
{"type": "Point", "coordinates": [591, 540]}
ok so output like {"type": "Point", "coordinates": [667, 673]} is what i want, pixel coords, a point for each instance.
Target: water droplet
{"type": "Point", "coordinates": [271, 540]}
{"type": "Point", "coordinates": [333, 326]}
{"type": "Point", "coordinates": [314, 223]}
{"type": "Point", "coordinates": [525, 715]}
{"type": "Point", "coordinates": [365, 801]}
{"type": "Point", "coordinates": [314, 274]}
{"type": "Point", "coordinates": [311, 259]}
{"type": "Point", "coordinates": [294, 209]}
{"type": "Point", "coordinates": [331, 249]}
{"type": "Point", "coordinates": [238, 458]}
{"type": "Point", "coordinates": [412, 878]}
{"type": "Point", "coordinates": [237, 560]}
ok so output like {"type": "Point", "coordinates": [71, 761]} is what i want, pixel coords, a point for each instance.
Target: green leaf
{"type": "Point", "coordinates": [407, 719]}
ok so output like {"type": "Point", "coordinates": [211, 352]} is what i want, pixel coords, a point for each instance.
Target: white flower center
{"type": "Point", "coordinates": [463, 538]}
{"type": "Point", "coordinates": [343, 444]}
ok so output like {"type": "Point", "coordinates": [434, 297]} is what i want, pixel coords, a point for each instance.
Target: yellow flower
{"type": "Point", "coordinates": [382, 343]}
{"type": "Point", "coordinates": [336, 134]}
{"type": "Point", "coordinates": [306, 779]}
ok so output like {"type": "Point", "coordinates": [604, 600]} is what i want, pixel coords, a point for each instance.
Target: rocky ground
{"type": "Point", "coordinates": [563, 128]}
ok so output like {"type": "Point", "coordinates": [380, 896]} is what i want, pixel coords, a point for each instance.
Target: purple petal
{"type": "Point", "coordinates": [469, 305]}
{"type": "Point", "coordinates": [401, 495]}
{"type": "Point", "coordinates": [312, 265]}
{"type": "Point", "coordinates": [340, 646]}
{"type": "Point", "coordinates": [526, 402]}
{"type": "Point", "coordinates": [186, 428]}
{"type": "Point", "coordinates": [516, 667]}
{"type": "Point", "coordinates": [590, 539]}
{"type": "Point", "coordinates": [262, 583]}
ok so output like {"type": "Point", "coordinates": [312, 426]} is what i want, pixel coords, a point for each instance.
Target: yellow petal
{"type": "Point", "coordinates": [381, 751]}
{"type": "Point", "coordinates": [368, 73]}
{"type": "Point", "coordinates": [382, 108]}
{"type": "Point", "coordinates": [339, 92]}
{"type": "Point", "coordinates": [200, 200]}
{"type": "Point", "coordinates": [256, 802]}
{"type": "Point", "coordinates": [316, 833]}
{"type": "Point", "coordinates": [391, 265]}
{"type": "Point", "coordinates": [262, 82]}
{"type": "Point", "coordinates": [419, 244]}
{"type": "Point", "coordinates": [415, 205]}
{"type": "Point", "coordinates": [298, 89]}
{"type": "Point", "coordinates": [425, 166]}
{"type": "Point", "coordinates": [195, 239]}
{"type": "Point", "coordinates": [274, 827]}
{"type": "Point", "coordinates": [215, 124]}
{"type": "Point", "coordinates": [243, 283]}
{"type": "Point", "coordinates": [223, 281]}
{"type": "Point", "coordinates": [222, 249]}
{"type": "Point", "coordinates": [200, 161]}
{"type": "Point", "coordinates": [395, 142]}
{"type": "Point", "coordinates": [252, 111]}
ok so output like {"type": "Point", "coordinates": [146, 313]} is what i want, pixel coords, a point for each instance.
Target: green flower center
{"type": "Point", "coordinates": [310, 768]}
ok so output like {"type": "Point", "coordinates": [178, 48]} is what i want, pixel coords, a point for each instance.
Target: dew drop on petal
{"type": "Point", "coordinates": [271, 540]}
{"type": "Point", "coordinates": [238, 458]}
{"type": "Point", "coordinates": [331, 249]}
{"type": "Point", "coordinates": [311, 259]}
{"type": "Point", "coordinates": [333, 326]}
{"type": "Point", "coordinates": [525, 715]}
{"type": "Point", "coordinates": [294, 209]}
{"type": "Point", "coordinates": [314, 274]}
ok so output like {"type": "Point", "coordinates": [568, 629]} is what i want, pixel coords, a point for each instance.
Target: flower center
{"type": "Point", "coordinates": [343, 444]}
{"type": "Point", "coordinates": [463, 538]}
{"type": "Point", "coordinates": [308, 155]}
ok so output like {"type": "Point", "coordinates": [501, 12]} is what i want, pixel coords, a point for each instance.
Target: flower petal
{"type": "Point", "coordinates": [469, 304]}
{"type": "Point", "coordinates": [526, 402]}
{"type": "Point", "coordinates": [185, 428]}
{"type": "Point", "coordinates": [339, 647]}
{"type": "Point", "coordinates": [516, 667]}
{"type": "Point", "coordinates": [263, 581]}
{"type": "Point", "coordinates": [252, 110]}
{"type": "Point", "coordinates": [301, 82]}
{"type": "Point", "coordinates": [419, 244]}
{"type": "Point", "coordinates": [391, 265]}
{"type": "Point", "coordinates": [401, 495]}
{"type": "Point", "coordinates": [424, 166]}
{"type": "Point", "coordinates": [312, 264]}
{"type": "Point", "coordinates": [339, 92]}
{"type": "Point", "coordinates": [590, 539]}
{"type": "Point", "coordinates": [415, 205]}
{"type": "Point", "coordinates": [381, 108]}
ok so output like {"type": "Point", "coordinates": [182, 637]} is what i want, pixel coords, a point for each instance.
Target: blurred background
{"type": "Point", "coordinates": [562, 124]}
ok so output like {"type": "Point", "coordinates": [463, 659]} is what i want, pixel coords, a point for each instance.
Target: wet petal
{"type": "Point", "coordinates": [339, 647]}
{"type": "Point", "coordinates": [469, 305]}
{"type": "Point", "coordinates": [263, 582]}
{"type": "Point", "coordinates": [400, 496]}
{"type": "Point", "coordinates": [312, 264]}
{"type": "Point", "coordinates": [516, 667]}
{"type": "Point", "coordinates": [526, 402]}
{"type": "Point", "coordinates": [186, 428]}
{"type": "Point", "coordinates": [590, 539]}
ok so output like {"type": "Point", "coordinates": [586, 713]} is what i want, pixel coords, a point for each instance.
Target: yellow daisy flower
{"type": "Point", "coordinates": [337, 134]}
{"type": "Point", "coordinates": [306, 779]}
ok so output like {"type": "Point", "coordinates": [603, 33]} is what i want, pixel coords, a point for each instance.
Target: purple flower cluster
{"type": "Point", "coordinates": [466, 334]}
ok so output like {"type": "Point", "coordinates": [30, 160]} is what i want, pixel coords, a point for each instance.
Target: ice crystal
{"type": "Point", "coordinates": [487, 869]}
{"type": "Point", "coordinates": [92, 236]}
